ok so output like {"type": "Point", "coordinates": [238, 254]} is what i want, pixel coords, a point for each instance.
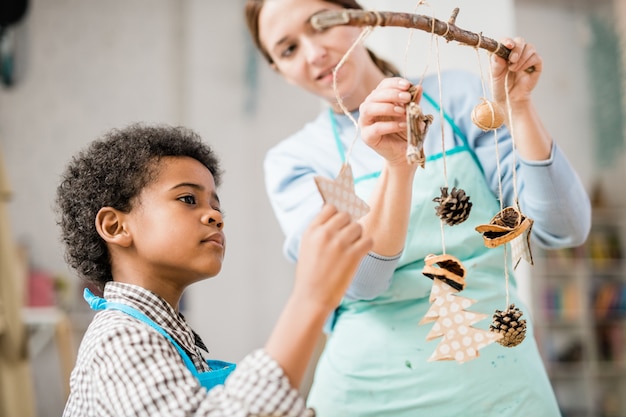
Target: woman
{"type": "Point", "coordinates": [376, 360]}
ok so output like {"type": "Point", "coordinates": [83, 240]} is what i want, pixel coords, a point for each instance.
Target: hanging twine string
{"type": "Point", "coordinates": [498, 167]}
{"type": "Point", "coordinates": [408, 44]}
{"type": "Point", "coordinates": [480, 66]}
{"type": "Point", "coordinates": [506, 275]}
{"type": "Point", "coordinates": [514, 169]}
{"type": "Point", "coordinates": [495, 131]}
{"type": "Point", "coordinates": [433, 40]}
{"type": "Point", "coordinates": [512, 129]}
{"type": "Point", "coordinates": [441, 115]}
{"type": "Point", "coordinates": [441, 122]}
{"type": "Point", "coordinates": [364, 33]}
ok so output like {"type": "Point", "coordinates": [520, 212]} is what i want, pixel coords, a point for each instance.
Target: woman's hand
{"type": "Point", "coordinates": [523, 69]}
{"type": "Point", "coordinates": [382, 119]}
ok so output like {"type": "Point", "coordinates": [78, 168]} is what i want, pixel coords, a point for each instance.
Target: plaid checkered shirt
{"type": "Point", "coordinates": [126, 368]}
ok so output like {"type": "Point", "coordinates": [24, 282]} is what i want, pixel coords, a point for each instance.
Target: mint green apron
{"type": "Point", "coordinates": [375, 362]}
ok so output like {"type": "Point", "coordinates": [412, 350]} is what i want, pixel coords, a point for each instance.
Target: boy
{"type": "Point", "coordinates": [141, 219]}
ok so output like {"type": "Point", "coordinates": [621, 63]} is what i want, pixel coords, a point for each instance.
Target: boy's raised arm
{"type": "Point", "coordinates": [331, 249]}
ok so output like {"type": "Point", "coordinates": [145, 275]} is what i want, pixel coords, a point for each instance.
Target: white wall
{"type": "Point", "coordinates": [90, 65]}
{"type": "Point", "coordinates": [561, 36]}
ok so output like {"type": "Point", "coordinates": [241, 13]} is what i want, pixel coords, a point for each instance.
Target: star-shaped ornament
{"type": "Point", "coordinates": [417, 125]}
{"type": "Point", "coordinates": [340, 193]}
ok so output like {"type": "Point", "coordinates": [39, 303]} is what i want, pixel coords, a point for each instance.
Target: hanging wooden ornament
{"type": "Point", "coordinates": [340, 193]}
{"type": "Point", "coordinates": [454, 207]}
{"type": "Point", "coordinates": [520, 246]}
{"type": "Point", "coordinates": [417, 125]}
{"type": "Point", "coordinates": [509, 225]}
{"type": "Point", "coordinates": [505, 226]}
{"type": "Point", "coordinates": [488, 115]}
{"type": "Point", "coordinates": [461, 342]}
{"type": "Point", "coordinates": [447, 268]}
{"type": "Point", "coordinates": [510, 325]}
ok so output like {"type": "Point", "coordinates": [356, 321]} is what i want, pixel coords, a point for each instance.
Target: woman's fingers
{"type": "Point", "coordinates": [518, 75]}
{"type": "Point", "coordinates": [392, 91]}
{"type": "Point", "coordinates": [523, 56]}
{"type": "Point", "coordinates": [383, 111]}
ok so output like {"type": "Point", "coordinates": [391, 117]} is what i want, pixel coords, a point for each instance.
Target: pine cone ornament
{"type": "Point", "coordinates": [453, 208]}
{"type": "Point", "coordinates": [510, 325]}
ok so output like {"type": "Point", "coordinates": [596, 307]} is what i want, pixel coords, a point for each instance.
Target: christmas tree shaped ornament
{"type": "Point", "coordinates": [441, 295]}
{"type": "Point", "coordinates": [461, 342]}
{"type": "Point", "coordinates": [454, 207]}
{"type": "Point", "coordinates": [340, 193]}
{"type": "Point", "coordinates": [509, 325]}
{"type": "Point", "coordinates": [488, 115]}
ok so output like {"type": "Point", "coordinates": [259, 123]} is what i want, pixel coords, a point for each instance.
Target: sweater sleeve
{"type": "Point", "coordinates": [554, 197]}
{"type": "Point", "coordinates": [549, 192]}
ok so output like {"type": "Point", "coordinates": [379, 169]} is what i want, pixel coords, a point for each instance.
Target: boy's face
{"type": "Point", "coordinates": [176, 225]}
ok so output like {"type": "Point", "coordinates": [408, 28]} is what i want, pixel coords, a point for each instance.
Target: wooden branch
{"type": "Point", "coordinates": [448, 30]}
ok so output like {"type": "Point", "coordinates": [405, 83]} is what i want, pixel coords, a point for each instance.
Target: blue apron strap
{"type": "Point", "coordinates": [99, 303]}
{"type": "Point", "coordinates": [455, 129]}
{"type": "Point", "coordinates": [219, 369]}
{"type": "Point", "coordinates": [333, 123]}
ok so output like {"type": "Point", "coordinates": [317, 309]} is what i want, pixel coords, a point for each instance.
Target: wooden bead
{"type": "Point", "coordinates": [488, 115]}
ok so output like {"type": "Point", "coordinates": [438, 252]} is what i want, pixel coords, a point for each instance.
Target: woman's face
{"type": "Point", "coordinates": [306, 57]}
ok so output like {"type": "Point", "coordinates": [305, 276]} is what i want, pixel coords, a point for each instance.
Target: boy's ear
{"type": "Point", "coordinates": [110, 227]}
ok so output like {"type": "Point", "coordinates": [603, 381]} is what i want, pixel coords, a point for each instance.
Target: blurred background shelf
{"type": "Point", "coordinates": [580, 310]}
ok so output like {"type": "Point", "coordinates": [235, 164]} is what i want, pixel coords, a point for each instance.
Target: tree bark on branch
{"type": "Point", "coordinates": [447, 30]}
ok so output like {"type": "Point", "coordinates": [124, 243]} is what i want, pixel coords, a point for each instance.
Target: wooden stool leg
{"type": "Point", "coordinates": [65, 346]}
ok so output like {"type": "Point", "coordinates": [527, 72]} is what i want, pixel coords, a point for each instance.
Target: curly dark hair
{"type": "Point", "coordinates": [111, 172]}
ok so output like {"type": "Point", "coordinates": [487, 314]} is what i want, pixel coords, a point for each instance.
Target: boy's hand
{"type": "Point", "coordinates": [330, 252]}
{"type": "Point", "coordinates": [332, 248]}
